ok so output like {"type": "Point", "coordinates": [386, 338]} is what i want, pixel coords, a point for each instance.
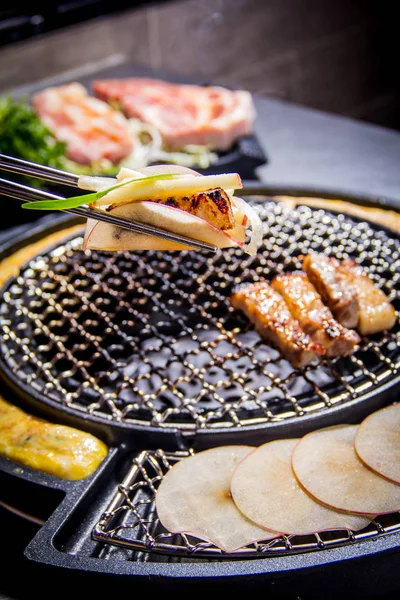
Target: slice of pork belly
{"type": "Point", "coordinates": [273, 321]}
{"type": "Point", "coordinates": [183, 114]}
{"type": "Point", "coordinates": [314, 317]}
{"type": "Point", "coordinates": [376, 313]}
{"type": "Point", "coordinates": [339, 295]}
{"type": "Point", "coordinates": [92, 130]}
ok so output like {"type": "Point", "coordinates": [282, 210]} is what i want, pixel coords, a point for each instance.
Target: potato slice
{"type": "Point", "coordinates": [378, 442]}
{"type": "Point", "coordinates": [194, 498]}
{"type": "Point", "coordinates": [326, 464]}
{"type": "Point", "coordinates": [103, 236]}
{"type": "Point", "coordinates": [265, 489]}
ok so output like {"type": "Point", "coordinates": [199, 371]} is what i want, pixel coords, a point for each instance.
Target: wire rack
{"type": "Point", "coordinates": [150, 337]}
{"type": "Point", "coordinates": [131, 521]}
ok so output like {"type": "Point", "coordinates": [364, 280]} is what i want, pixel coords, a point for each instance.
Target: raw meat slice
{"type": "Point", "coordinates": [183, 114]}
{"type": "Point", "coordinates": [91, 129]}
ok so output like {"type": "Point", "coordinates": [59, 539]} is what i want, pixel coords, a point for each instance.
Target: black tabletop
{"type": "Point", "coordinates": [306, 149]}
{"type": "Point", "coordinates": [309, 149]}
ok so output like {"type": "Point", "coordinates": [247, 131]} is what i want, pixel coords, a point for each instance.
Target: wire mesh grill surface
{"type": "Point", "coordinates": [131, 520]}
{"type": "Point", "coordinates": [151, 338]}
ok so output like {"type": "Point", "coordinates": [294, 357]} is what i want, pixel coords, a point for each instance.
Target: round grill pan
{"type": "Point", "coordinates": [148, 342]}
{"type": "Point", "coordinates": [107, 523]}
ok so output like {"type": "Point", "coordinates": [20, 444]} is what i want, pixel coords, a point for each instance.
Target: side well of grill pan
{"type": "Point", "coordinates": [66, 541]}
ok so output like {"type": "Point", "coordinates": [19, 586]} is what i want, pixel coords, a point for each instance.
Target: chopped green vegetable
{"type": "Point", "coordinates": [149, 148]}
{"type": "Point", "coordinates": [23, 135]}
{"type": "Point", "coordinates": [66, 204]}
{"type": "Point", "coordinates": [77, 201]}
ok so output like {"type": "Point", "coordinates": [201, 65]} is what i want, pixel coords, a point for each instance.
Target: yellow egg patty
{"type": "Point", "coordinates": [55, 449]}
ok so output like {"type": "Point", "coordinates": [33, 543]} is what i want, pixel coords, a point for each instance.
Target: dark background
{"type": "Point", "coordinates": [22, 20]}
{"type": "Point", "coordinates": [335, 55]}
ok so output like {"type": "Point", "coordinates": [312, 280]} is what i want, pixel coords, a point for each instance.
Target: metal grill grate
{"type": "Point", "coordinates": [131, 520]}
{"type": "Point", "coordinates": [150, 338]}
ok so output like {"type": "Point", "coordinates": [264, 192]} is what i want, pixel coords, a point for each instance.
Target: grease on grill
{"type": "Point", "coordinates": [150, 337]}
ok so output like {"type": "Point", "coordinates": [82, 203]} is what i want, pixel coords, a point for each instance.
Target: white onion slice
{"type": "Point", "coordinates": [126, 173]}
{"type": "Point", "coordinates": [265, 489]}
{"type": "Point", "coordinates": [257, 230]}
{"type": "Point", "coordinates": [194, 498]}
{"type": "Point", "coordinates": [95, 184]}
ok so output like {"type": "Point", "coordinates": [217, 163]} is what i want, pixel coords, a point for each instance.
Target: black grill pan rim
{"type": "Point", "coordinates": [41, 550]}
{"type": "Point", "coordinates": [174, 438]}
{"type": "Point", "coordinates": [170, 437]}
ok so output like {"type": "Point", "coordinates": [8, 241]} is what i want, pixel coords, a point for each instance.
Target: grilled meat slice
{"type": "Point", "coordinates": [273, 321]}
{"type": "Point", "coordinates": [213, 206]}
{"type": "Point", "coordinates": [340, 296]}
{"type": "Point", "coordinates": [314, 317]}
{"type": "Point", "coordinates": [376, 313]}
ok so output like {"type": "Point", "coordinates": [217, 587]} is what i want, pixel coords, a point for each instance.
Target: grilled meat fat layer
{"type": "Point", "coordinates": [314, 317]}
{"type": "Point", "coordinates": [340, 297]}
{"type": "Point", "coordinates": [376, 313]}
{"type": "Point", "coordinates": [273, 321]}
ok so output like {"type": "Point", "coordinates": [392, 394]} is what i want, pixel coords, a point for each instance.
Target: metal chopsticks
{"type": "Point", "coordinates": [25, 167]}
{"type": "Point", "coordinates": [24, 192]}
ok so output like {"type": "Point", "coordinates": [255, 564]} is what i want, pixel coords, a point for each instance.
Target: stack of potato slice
{"type": "Point", "coordinates": [340, 477]}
